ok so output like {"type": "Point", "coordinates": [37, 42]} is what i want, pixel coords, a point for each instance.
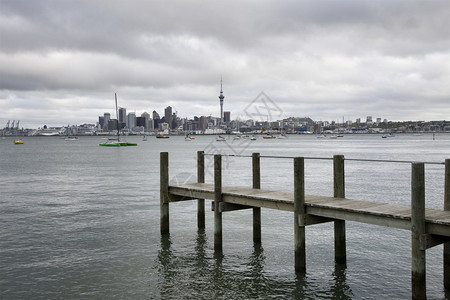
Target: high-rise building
{"type": "Point", "coordinates": [226, 117]}
{"type": "Point", "coordinates": [174, 121]}
{"type": "Point", "coordinates": [131, 120]}
{"type": "Point", "coordinates": [150, 124]}
{"type": "Point", "coordinates": [141, 122]}
{"type": "Point", "coordinates": [101, 121]}
{"type": "Point", "coordinates": [203, 123]}
{"type": "Point", "coordinates": [122, 116]}
{"type": "Point", "coordinates": [146, 117]}
{"type": "Point", "coordinates": [168, 116]}
{"type": "Point", "coordinates": [221, 97]}
{"type": "Point", "coordinates": [156, 119]}
{"type": "Point", "coordinates": [111, 125]}
{"type": "Point", "coordinates": [106, 118]}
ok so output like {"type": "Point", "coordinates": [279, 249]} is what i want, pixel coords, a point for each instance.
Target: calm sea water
{"type": "Point", "coordinates": [79, 221]}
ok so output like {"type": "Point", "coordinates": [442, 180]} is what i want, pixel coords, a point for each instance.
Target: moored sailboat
{"type": "Point", "coordinates": [116, 142]}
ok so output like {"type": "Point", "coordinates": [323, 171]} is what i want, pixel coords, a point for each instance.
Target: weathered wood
{"type": "Point", "coordinates": [340, 252]}
{"type": "Point", "coordinates": [429, 227]}
{"type": "Point", "coordinates": [367, 218]}
{"type": "Point", "coordinates": [217, 201]}
{"type": "Point", "coordinates": [226, 206]}
{"type": "Point", "coordinates": [428, 241]}
{"type": "Point", "coordinates": [256, 176]}
{"type": "Point", "coordinates": [299, 214]}
{"type": "Point", "coordinates": [447, 245]}
{"type": "Point", "coordinates": [164, 192]}
{"type": "Point", "coordinates": [375, 213]}
{"type": "Point", "coordinates": [201, 179]}
{"type": "Point", "coordinates": [417, 229]}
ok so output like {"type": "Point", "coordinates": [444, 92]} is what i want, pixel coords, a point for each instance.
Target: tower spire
{"type": "Point", "coordinates": [221, 96]}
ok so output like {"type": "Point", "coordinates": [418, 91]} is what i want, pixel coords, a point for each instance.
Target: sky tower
{"type": "Point", "coordinates": [221, 101]}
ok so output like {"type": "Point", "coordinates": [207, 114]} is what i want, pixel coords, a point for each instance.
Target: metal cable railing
{"type": "Point", "coordinates": [331, 158]}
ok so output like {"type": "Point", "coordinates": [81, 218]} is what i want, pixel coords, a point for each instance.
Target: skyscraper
{"type": "Point", "coordinates": [106, 118]}
{"type": "Point", "coordinates": [131, 121]}
{"type": "Point", "coordinates": [156, 119]}
{"type": "Point", "coordinates": [122, 115]}
{"type": "Point", "coordinates": [168, 116]}
{"type": "Point", "coordinates": [221, 101]}
{"type": "Point", "coordinates": [226, 117]}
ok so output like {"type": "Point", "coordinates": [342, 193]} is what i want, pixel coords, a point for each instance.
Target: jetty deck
{"type": "Point", "coordinates": [428, 227]}
{"type": "Point", "coordinates": [437, 222]}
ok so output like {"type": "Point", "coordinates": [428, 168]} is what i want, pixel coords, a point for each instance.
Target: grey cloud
{"type": "Point", "coordinates": [330, 55]}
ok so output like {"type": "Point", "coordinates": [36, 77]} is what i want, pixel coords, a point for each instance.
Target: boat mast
{"type": "Point", "coordinates": [117, 118]}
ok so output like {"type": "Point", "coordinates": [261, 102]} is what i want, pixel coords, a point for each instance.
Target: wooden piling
{"type": "Point", "coordinates": [299, 215]}
{"type": "Point", "coordinates": [447, 245]}
{"type": "Point", "coordinates": [164, 192]}
{"type": "Point", "coordinates": [217, 202]}
{"type": "Point", "coordinates": [256, 175]}
{"type": "Point", "coordinates": [418, 230]}
{"type": "Point", "coordinates": [340, 252]}
{"type": "Point", "coordinates": [201, 179]}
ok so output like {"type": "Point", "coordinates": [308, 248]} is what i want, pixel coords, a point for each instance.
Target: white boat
{"type": "Point", "coordinates": [220, 139]}
{"type": "Point", "coordinates": [71, 138]}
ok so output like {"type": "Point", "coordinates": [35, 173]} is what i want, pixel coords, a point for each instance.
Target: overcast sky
{"type": "Point", "coordinates": [62, 61]}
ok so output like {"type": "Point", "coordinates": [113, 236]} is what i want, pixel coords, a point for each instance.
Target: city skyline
{"type": "Point", "coordinates": [322, 59]}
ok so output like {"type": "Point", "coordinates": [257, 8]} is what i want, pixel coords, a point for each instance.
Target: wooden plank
{"type": "Point", "coordinates": [358, 217]}
{"type": "Point", "coordinates": [435, 214]}
{"type": "Point", "coordinates": [317, 200]}
{"type": "Point", "coordinates": [177, 198]}
{"type": "Point", "coordinates": [313, 220]}
{"type": "Point", "coordinates": [239, 199]}
{"type": "Point", "coordinates": [377, 213]}
{"type": "Point", "coordinates": [225, 207]}
{"type": "Point", "coordinates": [438, 229]}
{"type": "Point", "coordinates": [428, 241]}
{"type": "Point", "coordinates": [438, 216]}
{"type": "Point", "coordinates": [192, 193]}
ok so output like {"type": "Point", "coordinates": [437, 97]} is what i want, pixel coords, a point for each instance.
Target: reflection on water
{"type": "Point", "coordinates": [205, 274]}
{"type": "Point", "coordinates": [340, 289]}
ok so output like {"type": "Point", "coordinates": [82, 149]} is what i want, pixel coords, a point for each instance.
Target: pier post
{"type": "Point", "coordinates": [201, 179]}
{"type": "Point", "coordinates": [256, 175]}
{"type": "Point", "coordinates": [299, 215]}
{"type": "Point", "coordinates": [447, 245]}
{"type": "Point", "coordinates": [418, 229]}
{"type": "Point", "coordinates": [340, 253]}
{"type": "Point", "coordinates": [164, 192]}
{"type": "Point", "coordinates": [217, 201]}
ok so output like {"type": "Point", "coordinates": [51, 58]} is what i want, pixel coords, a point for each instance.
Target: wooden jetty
{"type": "Point", "coordinates": [429, 227]}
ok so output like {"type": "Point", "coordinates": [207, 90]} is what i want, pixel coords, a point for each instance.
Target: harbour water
{"type": "Point", "coordinates": [79, 221]}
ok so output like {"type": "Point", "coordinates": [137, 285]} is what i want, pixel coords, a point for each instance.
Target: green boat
{"type": "Point", "coordinates": [116, 142]}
